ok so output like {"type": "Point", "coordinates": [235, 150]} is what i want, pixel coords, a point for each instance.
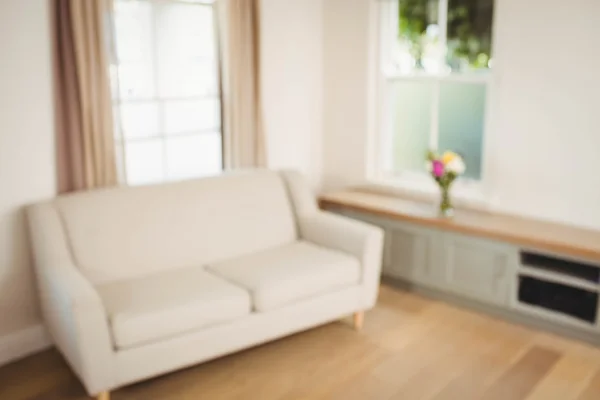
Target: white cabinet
{"type": "Point", "coordinates": [477, 268]}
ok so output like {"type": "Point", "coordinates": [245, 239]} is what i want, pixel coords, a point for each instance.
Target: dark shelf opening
{"type": "Point", "coordinates": [575, 302]}
{"type": "Point", "coordinates": [571, 268]}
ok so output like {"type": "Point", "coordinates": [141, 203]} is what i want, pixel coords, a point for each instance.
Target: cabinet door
{"type": "Point", "coordinates": [477, 268]}
{"type": "Point", "coordinates": [411, 254]}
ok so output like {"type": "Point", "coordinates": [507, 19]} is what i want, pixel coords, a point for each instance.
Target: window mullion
{"type": "Point", "coordinates": [443, 22]}
{"type": "Point", "coordinates": [389, 31]}
{"type": "Point", "coordinates": [156, 10]}
{"type": "Point", "coordinates": [435, 116]}
{"type": "Point", "coordinates": [435, 109]}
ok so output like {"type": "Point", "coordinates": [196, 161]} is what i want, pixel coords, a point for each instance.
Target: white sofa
{"type": "Point", "coordinates": [137, 282]}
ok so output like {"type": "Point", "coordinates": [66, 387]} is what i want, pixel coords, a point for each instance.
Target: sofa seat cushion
{"type": "Point", "coordinates": [289, 273]}
{"type": "Point", "coordinates": [162, 305]}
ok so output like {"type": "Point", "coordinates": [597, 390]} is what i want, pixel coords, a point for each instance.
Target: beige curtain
{"type": "Point", "coordinates": [239, 31]}
{"type": "Point", "coordinates": [84, 136]}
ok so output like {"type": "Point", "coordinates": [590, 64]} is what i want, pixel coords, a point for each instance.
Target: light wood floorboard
{"type": "Point", "coordinates": [410, 348]}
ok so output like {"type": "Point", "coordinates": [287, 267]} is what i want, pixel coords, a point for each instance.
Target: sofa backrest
{"type": "Point", "coordinates": [124, 233]}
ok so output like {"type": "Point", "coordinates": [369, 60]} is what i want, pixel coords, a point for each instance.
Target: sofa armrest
{"type": "Point", "coordinates": [72, 309]}
{"type": "Point", "coordinates": [362, 240]}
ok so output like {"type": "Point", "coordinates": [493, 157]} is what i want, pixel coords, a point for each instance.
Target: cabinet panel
{"type": "Point", "coordinates": [470, 267]}
{"type": "Point", "coordinates": [477, 268]}
{"type": "Point", "coordinates": [411, 255]}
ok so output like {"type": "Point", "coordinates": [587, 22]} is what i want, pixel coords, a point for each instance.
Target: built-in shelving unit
{"type": "Point", "coordinates": [558, 286]}
{"type": "Point", "coordinates": [535, 272]}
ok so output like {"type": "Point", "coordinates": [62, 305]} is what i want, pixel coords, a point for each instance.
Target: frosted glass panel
{"type": "Point", "coordinates": [144, 162]}
{"type": "Point", "coordinates": [411, 102]}
{"type": "Point", "coordinates": [192, 115]}
{"type": "Point", "coordinates": [139, 120]}
{"type": "Point", "coordinates": [461, 123]}
{"type": "Point", "coordinates": [194, 156]}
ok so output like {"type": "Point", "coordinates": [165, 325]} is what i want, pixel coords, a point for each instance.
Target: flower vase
{"type": "Point", "coordinates": [446, 208]}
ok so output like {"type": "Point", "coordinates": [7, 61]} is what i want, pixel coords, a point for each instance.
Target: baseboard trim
{"type": "Point", "coordinates": [17, 345]}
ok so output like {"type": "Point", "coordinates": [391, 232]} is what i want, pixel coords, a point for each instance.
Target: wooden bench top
{"type": "Point", "coordinates": [526, 232]}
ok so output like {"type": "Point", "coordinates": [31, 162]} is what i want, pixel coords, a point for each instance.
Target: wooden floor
{"type": "Point", "coordinates": [410, 348]}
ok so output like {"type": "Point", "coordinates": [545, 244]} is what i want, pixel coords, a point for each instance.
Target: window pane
{"type": "Point", "coordinates": [418, 45]}
{"type": "Point", "coordinates": [192, 115]}
{"type": "Point", "coordinates": [187, 79]}
{"type": "Point", "coordinates": [139, 120]}
{"type": "Point", "coordinates": [461, 123]}
{"type": "Point", "coordinates": [135, 81]}
{"type": "Point", "coordinates": [133, 26]}
{"type": "Point", "coordinates": [194, 156]}
{"type": "Point", "coordinates": [133, 39]}
{"type": "Point", "coordinates": [144, 162]}
{"type": "Point", "coordinates": [186, 31]}
{"type": "Point", "coordinates": [186, 49]}
{"type": "Point", "coordinates": [411, 110]}
{"type": "Point", "coordinates": [165, 83]}
{"type": "Point", "coordinates": [469, 34]}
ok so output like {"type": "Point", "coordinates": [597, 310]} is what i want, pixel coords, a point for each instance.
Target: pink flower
{"type": "Point", "coordinates": [438, 168]}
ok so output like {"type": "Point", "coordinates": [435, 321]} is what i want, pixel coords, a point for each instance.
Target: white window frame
{"type": "Point", "coordinates": [121, 141]}
{"type": "Point", "coordinates": [469, 192]}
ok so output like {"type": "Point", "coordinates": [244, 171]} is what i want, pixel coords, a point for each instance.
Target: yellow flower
{"type": "Point", "coordinates": [448, 157]}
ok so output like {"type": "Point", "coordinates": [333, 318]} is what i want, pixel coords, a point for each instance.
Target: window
{"type": "Point", "coordinates": [166, 90]}
{"type": "Point", "coordinates": [436, 59]}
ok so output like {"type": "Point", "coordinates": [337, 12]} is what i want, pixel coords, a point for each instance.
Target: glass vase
{"type": "Point", "coordinates": [446, 208]}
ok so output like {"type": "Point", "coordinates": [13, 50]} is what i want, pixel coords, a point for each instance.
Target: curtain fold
{"type": "Point", "coordinates": [243, 133]}
{"type": "Point", "coordinates": [84, 121]}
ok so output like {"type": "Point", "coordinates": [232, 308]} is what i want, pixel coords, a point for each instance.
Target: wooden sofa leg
{"type": "Point", "coordinates": [103, 396]}
{"type": "Point", "coordinates": [358, 318]}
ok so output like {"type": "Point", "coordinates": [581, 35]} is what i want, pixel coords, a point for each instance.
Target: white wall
{"type": "Point", "coordinates": [292, 84]}
{"type": "Point", "coordinates": [346, 100]}
{"type": "Point", "coordinates": [544, 135]}
{"type": "Point", "coordinates": [544, 138]}
{"type": "Point", "coordinates": [26, 150]}
{"type": "Point", "coordinates": [292, 72]}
